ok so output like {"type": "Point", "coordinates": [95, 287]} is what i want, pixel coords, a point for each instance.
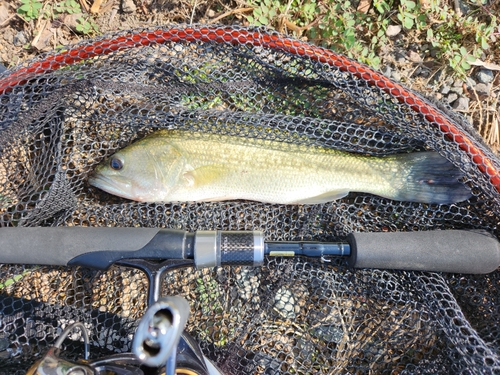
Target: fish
{"type": "Point", "coordinates": [189, 166]}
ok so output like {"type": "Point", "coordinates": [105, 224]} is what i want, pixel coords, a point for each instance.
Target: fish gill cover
{"type": "Point", "coordinates": [64, 113]}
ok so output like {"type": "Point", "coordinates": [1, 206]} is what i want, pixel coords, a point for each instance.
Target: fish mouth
{"type": "Point", "coordinates": [115, 185]}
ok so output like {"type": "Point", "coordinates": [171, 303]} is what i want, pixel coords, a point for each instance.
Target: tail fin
{"type": "Point", "coordinates": [430, 178]}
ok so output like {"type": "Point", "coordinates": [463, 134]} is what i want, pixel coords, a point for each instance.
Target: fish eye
{"type": "Point", "coordinates": [116, 164]}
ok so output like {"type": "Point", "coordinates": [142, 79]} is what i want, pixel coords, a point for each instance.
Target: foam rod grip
{"type": "Point", "coordinates": [456, 251]}
{"type": "Point", "coordinates": [92, 247]}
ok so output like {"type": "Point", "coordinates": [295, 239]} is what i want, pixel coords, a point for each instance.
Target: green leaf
{"type": "Point", "coordinates": [25, 8]}
{"type": "Point", "coordinates": [408, 23]}
{"type": "Point", "coordinates": [484, 44]}
{"type": "Point", "coordinates": [410, 4]}
{"type": "Point", "coordinates": [471, 58]}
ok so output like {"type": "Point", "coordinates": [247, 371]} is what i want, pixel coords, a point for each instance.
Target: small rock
{"type": "Point", "coordinates": [445, 89]}
{"type": "Point", "coordinates": [8, 35]}
{"type": "Point", "coordinates": [329, 333]}
{"type": "Point", "coordinates": [452, 97]}
{"type": "Point", "coordinates": [483, 89]}
{"type": "Point", "coordinates": [387, 71]}
{"type": "Point", "coordinates": [458, 89]}
{"type": "Point", "coordinates": [4, 344]}
{"type": "Point", "coordinates": [19, 39]}
{"type": "Point", "coordinates": [436, 77]}
{"type": "Point", "coordinates": [396, 76]}
{"type": "Point", "coordinates": [128, 6]}
{"type": "Point", "coordinates": [400, 58]}
{"type": "Point", "coordinates": [438, 96]}
{"type": "Point", "coordinates": [393, 30]}
{"type": "Point", "coordinates": [462, 104]}
{"type": "Point", "coordinates": [464, 7]}
{"type": "Point", "coordinates": [284, 303]}
{"type": "Point", "coordinates": [470, 82]}
{"type": "Point", "coordinates": [425, 73]}
{"type": "Point", "coordinates": [414, 57]}
{"type": "Point", "coordinates": [485, 76]}
{"type": "Point", "coordinates": [211, 13]}
{"type": "Point", "coordinates": [457, 83]}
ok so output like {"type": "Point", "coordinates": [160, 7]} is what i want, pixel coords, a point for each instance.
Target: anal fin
{"type": "Point", "coordinates": [323, 198]}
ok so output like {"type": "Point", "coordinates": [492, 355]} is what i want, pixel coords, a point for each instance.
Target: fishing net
{"type": "Point", "coordinates": [63, 113]}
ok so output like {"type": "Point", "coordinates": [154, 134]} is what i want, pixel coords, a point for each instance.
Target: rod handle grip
{"type": "Point", "coordinates": [455, 251]}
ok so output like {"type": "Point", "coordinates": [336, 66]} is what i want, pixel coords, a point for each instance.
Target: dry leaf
{"type": "Point", "coordinates": [43, 42]}
{"type": "Point", "coordinates": [487, 65]}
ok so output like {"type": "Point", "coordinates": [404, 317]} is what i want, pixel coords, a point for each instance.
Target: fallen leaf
{"type": "Point", "coordinates": [4, 13]}
{"type": "Point", "coordinates": [490, 66]}
{"type": "Point", "coordinates": [364, 6]}
{"type": "Point", "coordinates": [43, 42]}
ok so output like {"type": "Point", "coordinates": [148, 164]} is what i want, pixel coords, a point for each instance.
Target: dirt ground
{"type": "Point", "coordinates": [21, 39]}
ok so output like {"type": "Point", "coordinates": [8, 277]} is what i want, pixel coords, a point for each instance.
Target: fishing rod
{"type": "Point", "coordinates": [457, 251]}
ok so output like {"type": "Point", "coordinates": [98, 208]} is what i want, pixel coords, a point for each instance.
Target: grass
{"type": "Point", "coordinates": [359, 29]}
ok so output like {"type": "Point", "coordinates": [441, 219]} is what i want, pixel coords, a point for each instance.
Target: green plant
{"type": "Point", "coordinates": [456, 39]}
{"type": "Point", "coordinates": [86, 26]}
{"type": "Point", "coordinates": [67, 6]}
{"type": "Point", "coordinates": [272, 13]}
{"type": "Point", "coordinates": [410, 15]}
{"type": "Point", "coordinates": [30, 9]}
{"type": "Point", "coordinates": [36, 9]}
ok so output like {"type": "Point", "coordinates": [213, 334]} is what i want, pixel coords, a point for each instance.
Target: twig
{"type": "Point", "coordinates": [107, 7]}
{"type": "Point", "coordinates": [144, 8]}
{"type": "Point", "coordinates": [114, 11]}
{"type": "Point", "coordinates": [96, 6]}
{"type": "Point", "coordinates": [85, 6]}
{"type": "Point", "coordinates": [192, 12]}
{"type": "Point", "coordinates": [290, 25]}
{"type": "Point", "coordinates": [494, 134]}
{"type": "Point", "coordinates": [6, 22]}
{"type": "Point", "coordinates": [229, 13]}
{"type": "Point", "coordinates": [34, 42]}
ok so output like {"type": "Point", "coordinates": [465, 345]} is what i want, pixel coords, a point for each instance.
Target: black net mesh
{"type": "Point", "coordinates": [65, 112]}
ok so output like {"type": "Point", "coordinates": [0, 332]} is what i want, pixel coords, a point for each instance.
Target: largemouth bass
{"type": "Point", "coordinates": [180, 166]}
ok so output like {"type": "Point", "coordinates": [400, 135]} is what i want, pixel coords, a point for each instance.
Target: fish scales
{"type": "Point", "coordinates": [269, 171]}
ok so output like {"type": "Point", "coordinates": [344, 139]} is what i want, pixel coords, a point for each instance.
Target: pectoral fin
{"type": "Point", "coordinates": [324, 198]}
{"type": "Point", "coordinates": [202, 176]}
